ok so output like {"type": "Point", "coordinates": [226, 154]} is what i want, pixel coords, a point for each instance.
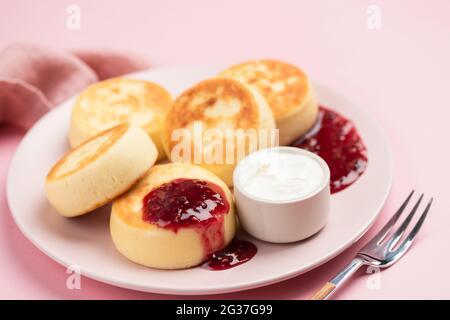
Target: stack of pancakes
{"type": "Point", "coordinates": [121, 127]}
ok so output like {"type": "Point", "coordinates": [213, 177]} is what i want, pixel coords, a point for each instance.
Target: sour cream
{"type": "Point", "coordinates": [281, 174]}
{"type": "Point", "coordinates": [282, 194]}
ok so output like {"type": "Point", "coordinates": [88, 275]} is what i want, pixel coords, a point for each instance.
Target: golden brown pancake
{"type": "Point", "coordinates": [160, 246]}
{"type": "Point", "coordinates": [99, 169]}
{"type": "Point", "coordinates": [110, 102]}
{"type": "Point", "coordinates": [287, 90]}
{"type": "Point", "coordinates": [223, 105]}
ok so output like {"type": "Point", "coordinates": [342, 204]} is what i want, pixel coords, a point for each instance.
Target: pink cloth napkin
{"type": "Point", "coordinates": [34, 79]}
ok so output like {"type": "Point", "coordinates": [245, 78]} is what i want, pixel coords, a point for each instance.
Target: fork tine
{"type": "Point", "coordinates": [412, 234]}
{"type": "Point", "coordinates": [388, 226]}
{"type": "Point", "coordinates": [399, 232]}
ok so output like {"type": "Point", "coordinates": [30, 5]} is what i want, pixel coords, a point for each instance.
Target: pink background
{"type": "Point", "coordinates": [399, 74]}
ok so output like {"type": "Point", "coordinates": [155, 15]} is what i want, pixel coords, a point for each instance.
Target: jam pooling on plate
{"type": "Point", "coordinates": [189, 203]}
{"type": "Point", "coordinates": [236, 253]}
{"type": "Point", "coordinates": [199, 204]}
{"type": "Point", "coordinates": [183, 203]}
{"type": "Point", "coordinates": [336, 140]}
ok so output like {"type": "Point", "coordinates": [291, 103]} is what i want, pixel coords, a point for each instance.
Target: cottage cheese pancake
{"type": "Point", "coordinates": [108, 103]}
{"type": "Point", "coordinates": [99, 169]}
{"type": "Point", "coordinates": [287, 90]}
{"type": "Point", "coordinates": [174, 218]}
{"type": "Point", "coordinates": [222, 106]}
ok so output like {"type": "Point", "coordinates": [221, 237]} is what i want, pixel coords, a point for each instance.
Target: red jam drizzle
{"type": "Point", "coordinates": [336, 140]}
{"type": "Point", "coordinates": [236, 253]}
{"type": "Point", "coordinates": [184, 202]}
{"type": "Point", "coordinates": [194, 203]}
{"type": "Point", "coordinates": [189, 203]}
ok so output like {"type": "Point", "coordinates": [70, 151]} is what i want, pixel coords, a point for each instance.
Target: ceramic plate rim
{"type": "Point", "coordinates": [223, 288]}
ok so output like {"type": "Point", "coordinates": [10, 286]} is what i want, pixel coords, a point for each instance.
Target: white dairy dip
{"type": "Point", "coordinates": [280, 174]}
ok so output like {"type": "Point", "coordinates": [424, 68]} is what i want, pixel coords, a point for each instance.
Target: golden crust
{"type": "Point", "coordinates": [284, 86]}
{"type": "Point", "coordinates": [195, 103]}
{"type": "Point", "coordinates": [110, 137]}
{"type": "Point", "coordinates": [128, 207]}
{"type": "Point", "coordinates": [110, 102]}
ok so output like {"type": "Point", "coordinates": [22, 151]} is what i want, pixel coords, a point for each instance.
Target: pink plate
{"type": "Point", "coordinates": [86, 243]}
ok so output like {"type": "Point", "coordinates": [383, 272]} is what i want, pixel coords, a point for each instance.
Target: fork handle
{"type": "Point", "coordinates": [331, 286]}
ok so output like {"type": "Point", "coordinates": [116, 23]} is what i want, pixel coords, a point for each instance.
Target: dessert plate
{"type": "Point", "coordinates": [85, 241]}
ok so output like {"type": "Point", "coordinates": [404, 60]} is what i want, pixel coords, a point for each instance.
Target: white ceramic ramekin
{"type": "Point", "coordinates": [282, 221]}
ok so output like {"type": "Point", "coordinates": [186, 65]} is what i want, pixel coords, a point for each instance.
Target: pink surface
{"type": "Point", "coordinates": [399, 74]}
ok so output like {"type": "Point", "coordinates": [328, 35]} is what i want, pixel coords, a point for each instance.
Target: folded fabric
{"type": "Point", "coordinates": [33, 79]}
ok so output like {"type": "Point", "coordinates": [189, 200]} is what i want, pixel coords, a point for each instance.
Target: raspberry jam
{"type": "Point", "coordinates": [183, 203]}
{"type": "Point", "coordinates": [336, 140]}
{"type": "Point", "coordinates": [189, 203]}
{"type": "Point", "coordinates": [198, 204]}
{"type": "Point", "coordinates": [236, 253]}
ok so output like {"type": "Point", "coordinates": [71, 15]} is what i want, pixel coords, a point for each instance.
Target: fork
{"type": "Point", "coordinates": [380, 251]}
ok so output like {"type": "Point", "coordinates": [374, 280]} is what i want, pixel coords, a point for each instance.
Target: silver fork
{"type": "Point", "coordinates": [380, 251]}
